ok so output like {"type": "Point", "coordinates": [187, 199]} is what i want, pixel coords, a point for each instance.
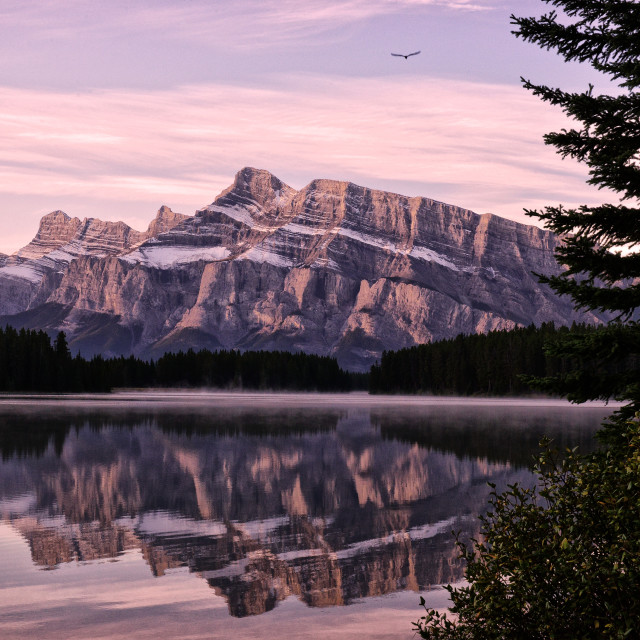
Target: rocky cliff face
{"type": "Point", "coordinates": [164, 221]}
{"type": "Point", "coordinates": [334, 269]}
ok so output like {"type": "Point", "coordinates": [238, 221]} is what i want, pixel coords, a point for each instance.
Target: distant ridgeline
{"type": "Point", "coordinates": [477, 364]}
{"type": "Point", "coordinates": [29, 362]}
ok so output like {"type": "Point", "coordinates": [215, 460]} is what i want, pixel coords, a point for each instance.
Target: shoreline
{"type": "Point", "coordinates": [221, 398]}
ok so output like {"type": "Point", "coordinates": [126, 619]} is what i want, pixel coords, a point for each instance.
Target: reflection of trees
{"type": "Point", "coordinates": [499, 435]}
{"type": "Point", "coordinates": [29, 432]}
{"type": "Point", "coordinates": [262, 508]}
{"type": "Point", "coordinates": [496, 433]}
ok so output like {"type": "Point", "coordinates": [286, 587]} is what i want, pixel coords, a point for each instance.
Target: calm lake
{"type": "Point", "coordinates": [221, 515]}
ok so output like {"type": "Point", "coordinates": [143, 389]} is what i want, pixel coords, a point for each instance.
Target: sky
{"type": "Point", "coordinates": [113, 109]}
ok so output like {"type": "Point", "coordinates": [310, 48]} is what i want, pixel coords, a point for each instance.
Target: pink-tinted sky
{"type": "Point", "coordinates": [113, 109]}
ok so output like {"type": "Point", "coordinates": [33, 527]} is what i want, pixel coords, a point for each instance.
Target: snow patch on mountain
{"type": "Point", "coordinates": [24, 271]}
{"type": "Point", "coordinates": [262, 253]}
{"type": "Point", "coordinates": [165, 257]}
{"type": "Point", "coordinates": [422, 253]}
{"type": "Point", "coordinates": [374, 241]}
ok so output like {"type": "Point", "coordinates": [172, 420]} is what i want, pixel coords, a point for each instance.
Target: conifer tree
{"type": "Point", "coordinates": [562, 559]}
{"type": "Point", "coordinates": [601, 243]}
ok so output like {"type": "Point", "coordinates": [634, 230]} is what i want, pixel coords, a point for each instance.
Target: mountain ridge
{"type": "Point", "coordinates": [333, 268]}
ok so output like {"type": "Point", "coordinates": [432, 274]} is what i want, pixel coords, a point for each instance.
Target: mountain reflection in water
{"type": "Point", "coordinates": [328, 505]}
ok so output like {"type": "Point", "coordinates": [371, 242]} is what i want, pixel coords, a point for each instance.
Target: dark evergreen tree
{"type": "Point", "coordinates": [600, 247]}
{"type": "Point", "coordinates": [562, 559]}
{"type": "Point", "coordinates": [496, 363]}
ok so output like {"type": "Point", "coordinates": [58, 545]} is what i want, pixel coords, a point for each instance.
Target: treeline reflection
{"type": "Point", "coordinates": [499, 434]}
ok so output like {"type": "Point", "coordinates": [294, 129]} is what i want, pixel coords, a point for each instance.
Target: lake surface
{"type": "Point", "coordinates": [220, 515]}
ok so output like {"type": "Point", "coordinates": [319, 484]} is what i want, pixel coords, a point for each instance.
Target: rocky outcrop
{"type": "Point", "coordinates": [29, 277]}
{"type": "Point", "coordinates": [164, 221]}
{"type": "Point", "coordinates": [61, 238]}
{"type": "Point", "coordinates": [334, 269]}
{"type": "Point", "coordinates": [56, 229]}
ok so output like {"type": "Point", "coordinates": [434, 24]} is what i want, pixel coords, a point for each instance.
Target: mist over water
{"type": "Point", "coordinates": [254, 515]}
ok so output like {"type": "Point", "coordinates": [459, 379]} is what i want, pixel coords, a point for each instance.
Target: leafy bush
{"type": "Point", "coordinates": [558, 560]}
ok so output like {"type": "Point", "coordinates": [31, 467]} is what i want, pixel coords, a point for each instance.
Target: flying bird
{"type": "Point", "coordinates": [405, 56]}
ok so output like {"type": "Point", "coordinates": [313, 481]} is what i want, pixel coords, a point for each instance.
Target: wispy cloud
{"type": "Point", "coordinates": [474, 145]}
{"type": "Point", "coordinates": [235, 23]}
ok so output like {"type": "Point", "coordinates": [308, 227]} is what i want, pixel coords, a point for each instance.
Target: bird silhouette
{"type": "Point", "coordinates": [405, 56]}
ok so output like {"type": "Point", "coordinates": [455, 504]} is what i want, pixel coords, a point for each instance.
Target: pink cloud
{"type": "Point", "coordinates": [238, 24]}
{"type": "Point", "coordinates": [479, 146]}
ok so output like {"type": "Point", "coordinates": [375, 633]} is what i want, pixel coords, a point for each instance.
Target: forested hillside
{"type": "Point", "coordinates": [30, 362]}
{"type": "Point", "coordinates": [482, 364]}
{"type": "Point", "coordinates": [487, 364]}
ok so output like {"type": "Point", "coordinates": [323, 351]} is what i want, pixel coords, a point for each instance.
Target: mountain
{"type": "Point", "coordinates": [29, 276]}
{"type": "Point", "coordinates": [333, 268]}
